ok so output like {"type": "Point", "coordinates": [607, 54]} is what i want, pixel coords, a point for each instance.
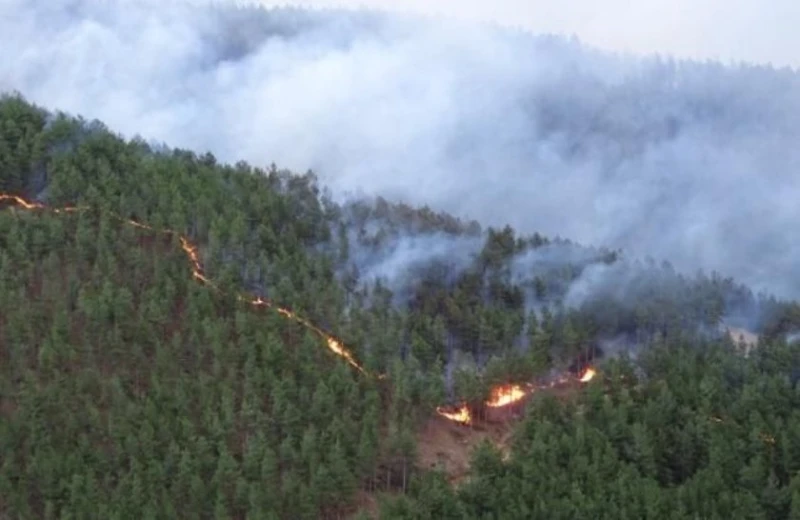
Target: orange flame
{"type": "Point", "coordinates": [460, 415]}
{"type": "Point", "coordinates": [504, 395]}
{"type": "Point", "coordinates": [21, 202]}
{"type": "Point", "coordinates": [588, 375]}
{"type": "Point", "coordinates": [333, 344]}
{"type": "Point", "coordinates": [25, 204]}
{"type": "Point", "coordinates": [193, 255]}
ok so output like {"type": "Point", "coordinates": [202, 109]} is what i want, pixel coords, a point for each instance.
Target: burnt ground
{"type": "Point", "coordinates": [447, 446]}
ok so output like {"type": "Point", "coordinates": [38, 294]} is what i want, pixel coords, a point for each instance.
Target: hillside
{"type": "Point", "coordinates": [703, 434]}
{"type": "Point", "coordinates": [138, 380]}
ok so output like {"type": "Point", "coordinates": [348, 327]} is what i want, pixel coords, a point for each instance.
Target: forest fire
{"type": "Point", "coordinates": [460, 415]}
{"type": "Point", "coordinates": [26, 204]}
{"type": "Point", "coordinates": [191, 251]}
{"type": "Point", "coordinates": [333, 344]}
{"type": "Point", "coordinates": [505, 394]}
{"type": "Point", "coordinates": [21, 202]}
{"type": "Point", "coordinates": [196, 267]}
{"type": "Point", "coordinates": [588, 375]}
{"type": "Point", "coordinates": [500, 396]}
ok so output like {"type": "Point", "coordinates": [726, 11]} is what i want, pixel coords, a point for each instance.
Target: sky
{"type": "Point", "coordinates": [756, 31]}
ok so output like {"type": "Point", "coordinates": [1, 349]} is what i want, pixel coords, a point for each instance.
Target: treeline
{"type": "Point", "coordinates": [688, 431]}
{"type": "Point", "coordinates": [128, 388]}
{"type": "Point", "coordinates": [130, 391]}
{"type": "Point", "coordinates": [504, 293]}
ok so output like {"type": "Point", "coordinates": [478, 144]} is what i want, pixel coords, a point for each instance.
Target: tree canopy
{"type": "Point", "coordinates": [127, 388]}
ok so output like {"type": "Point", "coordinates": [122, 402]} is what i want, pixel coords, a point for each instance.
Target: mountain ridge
{"type": "Point", "coordinates": [189, 399]}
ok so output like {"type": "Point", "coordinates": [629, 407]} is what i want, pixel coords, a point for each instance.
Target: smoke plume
{"type": "Point", "coordinates": [695, 163]}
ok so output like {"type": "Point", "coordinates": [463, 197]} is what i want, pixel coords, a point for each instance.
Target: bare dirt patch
{"type": "Point", "coordinates": [447, 446]}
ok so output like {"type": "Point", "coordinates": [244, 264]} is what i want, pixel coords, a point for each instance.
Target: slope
{"type": "Point", "coordinates": [128, 388]}
{"type": "Point", "coordinates": [248, 412]}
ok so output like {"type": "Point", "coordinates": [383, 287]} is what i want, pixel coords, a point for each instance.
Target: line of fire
{"type": "Point", "coordinates": [198, 273]}
{"type": "Point", "coordinates": [505, 401]}
{"type": "Point", "coordinates": [508, 401]}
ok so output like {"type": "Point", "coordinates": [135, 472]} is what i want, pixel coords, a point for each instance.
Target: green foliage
{"type": "Point", "coordinates": [666, 447]}
{"type": "Point", "coordinates": [129, 389]}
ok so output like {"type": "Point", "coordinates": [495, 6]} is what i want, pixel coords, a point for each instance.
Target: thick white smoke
{"type": "Point", "coordinates": [694, 163]}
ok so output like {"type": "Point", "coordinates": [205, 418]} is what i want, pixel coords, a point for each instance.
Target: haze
{"type": "Point", "coordinates": [728, 30]}
{"type": "Point", "coordinates": [689, 162]}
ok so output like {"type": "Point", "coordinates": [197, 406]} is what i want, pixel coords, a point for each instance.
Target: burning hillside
{"type": "Point", "coordinates": [198, 272]}
{"type": "Point", "coordinates": [505, 395]}
{"type": "Point", "coordinates": [588, 375]}
{"type": "Point", "coordinates": [503, 398]}
{"type": "Point", "coordinates": [505, 401]}
{"type": "Point", "coordinates": [117, 332]}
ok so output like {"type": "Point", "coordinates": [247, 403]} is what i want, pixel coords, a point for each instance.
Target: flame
{"type": "Point", "coordinates": [26, 204]}
{"type": "Point", "coordinates": [333, 344]}
{"type": "Point", "coordinates": [460, 415]}
{"type": "Point", "coordinates": [19, 201]}
{"type": "Point", "coordinates": [504, 395]}
{"type": "Point", "coordinates": [588, 375]}
{"type": "Point", "coordinates": [192, 253]}
{"type": "Point", "coordinates": [499, 396]}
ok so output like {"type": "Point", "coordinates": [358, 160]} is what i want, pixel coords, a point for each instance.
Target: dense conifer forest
{"type": "Point", "coordinates": [129, 387]}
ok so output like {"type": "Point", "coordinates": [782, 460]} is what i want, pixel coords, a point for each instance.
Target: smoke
{"type": "Point", "coordinates": [711, 29]}
{"type": "Point", "coordinates": [399, 261]}
{"type": "Point", "coordinates": [618, 346]}
{"type": "Point", "coordinates": [694, 163]}
{"type": "Point", "coordinates": [552, 272]}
